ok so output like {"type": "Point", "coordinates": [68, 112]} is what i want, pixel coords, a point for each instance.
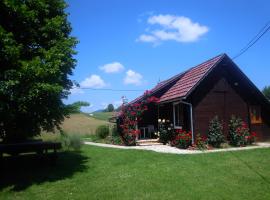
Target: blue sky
{"type": "Point", "coordinates": [131, 44]}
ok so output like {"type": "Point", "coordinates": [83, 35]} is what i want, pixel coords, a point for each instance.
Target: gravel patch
{"type": "Point", "coordinates": [174, 150]}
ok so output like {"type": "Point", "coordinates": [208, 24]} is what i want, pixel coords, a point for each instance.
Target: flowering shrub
{"type": "Point", "coordinates": [166, 132]}
{"type": "Point", "coordinates": [252, 137]}
{"type": "Point", "coordinates": [130, 115]}
{"type": "Point", "coordinates": [201, 142]}
{"type": "Point", "coordinates": [215, 133]}
{"type": "Point", "coordinates": [239, 134]}
{"type": "Point", "coordinates": [116, 140]}
{"type": "Point", "coordinates": [182, 139]}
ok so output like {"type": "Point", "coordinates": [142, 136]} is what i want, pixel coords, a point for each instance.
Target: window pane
{"type": "Point", "coordinates": [178, 114]}
{"type": "Point", "coordinates": [255, 114]}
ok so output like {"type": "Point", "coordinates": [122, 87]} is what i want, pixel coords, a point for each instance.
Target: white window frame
{"type": "Point", "coordinates": [176, 127]}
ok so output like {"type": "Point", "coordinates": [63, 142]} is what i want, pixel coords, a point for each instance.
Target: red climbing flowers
{"type": "Point", "coordinates": [131, 115]}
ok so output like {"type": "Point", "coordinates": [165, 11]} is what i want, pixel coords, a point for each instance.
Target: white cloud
{"type": "Point", "coordinates": [147, 38]}
{"type": "Point", "coordinates": [133, 77]}
{"type": "Point", "coordinates": [76, 90]}
{"type": "Point", "coordinates": [163, 20]}
{"type": "Point", "coordinates": [177, 28]}
{"type": "Point", "coordinates": [94, 81]}
{"type": "Point", "coordinates": [112, 67]}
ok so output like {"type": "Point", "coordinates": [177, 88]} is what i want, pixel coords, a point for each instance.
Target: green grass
{"type": "Point", "coordinates": [102, 115]}
{"type": "Point", "coordinates": [78, 124]}
{"type": "Point", "coordinates": [105, 173]}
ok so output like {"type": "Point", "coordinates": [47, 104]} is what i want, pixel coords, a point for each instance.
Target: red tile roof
{"type": "Point", "coordinates": [158, 87]}
{"type": "Point", "coordinates": [185, 81]}
{"type": "Point", "coordinates": [190, 79]}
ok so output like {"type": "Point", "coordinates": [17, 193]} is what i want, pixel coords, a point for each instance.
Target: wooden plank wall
{"type": "Point", "coordinates": [223, 101]}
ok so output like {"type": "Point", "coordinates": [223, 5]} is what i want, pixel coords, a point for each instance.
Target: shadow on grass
{"type": "Point", "coordinates": [23, 171]}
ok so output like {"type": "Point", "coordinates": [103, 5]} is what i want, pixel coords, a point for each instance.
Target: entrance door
{"type": "Point", "coordinates": [147, 132]}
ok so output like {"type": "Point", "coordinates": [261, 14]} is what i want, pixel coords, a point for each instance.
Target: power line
{"type": "Point", "coordinates": [262, 29]}
{"type": "Point", "coordinates": [108, 89]}
{"type": "Point", "coordinates": [254, 39]}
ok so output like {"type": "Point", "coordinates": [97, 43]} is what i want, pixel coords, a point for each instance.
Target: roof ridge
{"type": "Point", "coordinates": [198, 72]}
{"type": "Point", "coordinates": [220, 57]}
{"type": "Point", "coordinates": [185, 71]}
{"type": "Point", "coordinates": [166, 82]}
{"type": "Point", "coordinates": [206, 61]}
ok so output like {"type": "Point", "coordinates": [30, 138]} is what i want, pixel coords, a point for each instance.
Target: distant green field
{"type": "Point", "coordinates": [80, 124]}
{"type": "Point", "coordinates": [102, 115]}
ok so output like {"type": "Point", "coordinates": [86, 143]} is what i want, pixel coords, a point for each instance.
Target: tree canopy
{"type": "Point", "coordinates": [110, 108]}
{"type": "Point", "coordinates": [266, 92]}
{"type": "Point", "coordinates": [36, 59]}
{"type": "Point", "coordinates": [76, 106]}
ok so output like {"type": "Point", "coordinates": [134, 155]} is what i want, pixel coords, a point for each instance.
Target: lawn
{"type": "Point", "coordinates": [105, 173]}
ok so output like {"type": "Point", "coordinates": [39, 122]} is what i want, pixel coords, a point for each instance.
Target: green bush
{"type": "Point", "coordinates": [182, 140]}
{"type": "Point", "coordinates": [215, 133]}
{"type": "Point", "coordinates": [164, 136]}
{"type": "Point", "coordinates": [71, 141]}
{"type": "Point", "coordinates": [166, 131]}
{"type": "Point", "coordinates": [115, 131]}
{"type": "Point", "coordinates": [129, 139]}
{"type": "Point", "coordinates": [239, 134]}
{"type": "Point", "coordinates": [75, 142]}
{"type": "Point", "coordinates": [201, 142]}
{"type": "Point", "coordinates": [64, 139]}
{"type": "Point", "coordinates": [116, 140]}
{"type": "Point", "coordinates": [102, 131]}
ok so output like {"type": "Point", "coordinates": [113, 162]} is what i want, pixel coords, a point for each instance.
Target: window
{"type": "Point", "coordinates": [255, 114]}
{"type": "Point", "coordinates": [178, 115]}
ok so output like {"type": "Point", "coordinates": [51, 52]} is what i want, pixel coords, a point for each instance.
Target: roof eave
{"type": "Point", "coordinates": [172, 100]}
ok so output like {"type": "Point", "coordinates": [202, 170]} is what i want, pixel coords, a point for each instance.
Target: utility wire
{"type": "Point", "coordinates": [108, 89]}
{"type": "Point", "coordinates": [255, 39]}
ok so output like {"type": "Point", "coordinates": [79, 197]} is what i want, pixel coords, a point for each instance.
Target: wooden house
{"type": "Point", "coordinates": [215, 87]}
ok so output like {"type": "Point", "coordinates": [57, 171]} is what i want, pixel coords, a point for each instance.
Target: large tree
{"type": "Point", "coordinates": [36, 59]}
{"type": "Point", "coordinates": [110, 108]}
{"type": "Point", "coordinates": [266, 92]}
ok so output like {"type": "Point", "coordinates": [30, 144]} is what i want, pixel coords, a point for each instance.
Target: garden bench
{"type": "Point", "coordinates": [36, 146]}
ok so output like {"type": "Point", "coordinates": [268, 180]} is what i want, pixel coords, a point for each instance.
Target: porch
{"type": "Point", "coordinates": [178, 113]}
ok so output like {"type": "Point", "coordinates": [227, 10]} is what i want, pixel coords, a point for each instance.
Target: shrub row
{"type": "Point", "coordinates": [238, 135]}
